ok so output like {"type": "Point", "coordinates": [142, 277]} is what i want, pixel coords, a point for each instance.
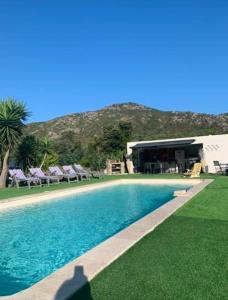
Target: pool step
{"type": "Point", "coordinates": [180, 193]}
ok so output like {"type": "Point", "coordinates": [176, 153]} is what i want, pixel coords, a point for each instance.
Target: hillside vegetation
{"type": "Point", "coordinates": [147, 123]}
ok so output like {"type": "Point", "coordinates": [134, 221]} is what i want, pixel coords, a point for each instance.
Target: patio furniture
{"type": "Point", "coordinates": [195, 172]}
{"type": "Point", "coordinates": [217, 167]}
{"type": "Point", "coordinates": [17, 176]}
{"type": "Point", "coordinates": [180, 165]}
{"type": "Point", "coordinates": [172, 167]}
{"type": "Point", "coordinates": [70, 171]}
{"type": "Point", "coordinates": [37, 172]}
{"type": "Point", "coordinates": [220, 168]}
{"type": "Point", "coordinates": [224, 167]}
{"type": "Point", "coordinates": [153, 167]}
{"type": "Point", "coordinates": [56, 171]}
{"type": "Point", "coordinates": [81, 172]}
{"type": "Point", "coordinates": [147, 168]}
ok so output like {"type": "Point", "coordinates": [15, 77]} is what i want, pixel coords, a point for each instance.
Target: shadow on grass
{"type": "Point", "coordinates": [78, 281]}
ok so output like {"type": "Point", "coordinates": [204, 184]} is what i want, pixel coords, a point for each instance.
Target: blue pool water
{"type": "Point", "coordinates": [37, 239]}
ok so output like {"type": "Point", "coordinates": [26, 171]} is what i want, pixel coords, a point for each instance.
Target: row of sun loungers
{"type": "Point", "coordinates": [54, 175]}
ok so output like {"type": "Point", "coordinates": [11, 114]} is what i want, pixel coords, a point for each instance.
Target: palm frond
{"type": "Point", "coordinates": [13, 113]}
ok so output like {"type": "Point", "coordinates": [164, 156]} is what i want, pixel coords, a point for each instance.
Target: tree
{"type": "Point", "coordinates": [69, 148]}
{"type": "Point", "coordinates": [125, 129]}
{"type": "Point", "coordinates": [52, 159]}
{"type": "Point", "coordinates": [13, 114]}
{"type": "Point", "coordinates": [46, 149]}
{"type": "Point", "coordinates": [94, 157]}
{"type": "Point", "coordinates": [28, 152]}
{"type": "Point", "coordinates": [115, 138]}
{"type": "Point", "coordinates": [33, 152]}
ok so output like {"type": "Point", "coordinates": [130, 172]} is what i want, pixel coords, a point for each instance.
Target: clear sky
{"type": "Point", "coordinates": [77, 55]}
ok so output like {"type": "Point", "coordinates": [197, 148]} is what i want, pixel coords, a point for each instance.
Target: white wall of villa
{"type": "Point", "coordinates": [215, 147]}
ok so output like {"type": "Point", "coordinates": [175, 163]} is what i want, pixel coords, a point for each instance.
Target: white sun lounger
{"type": "Point", "coordinates": [70, 170]}
{"type": "Point", "coordinates": [82, 173]}
{"type": "Point", "coordinates": [56, 171]}
{"type": "Point", "coordinates": [17, 176]}
{"type": "Point", "coordinates": [37, 172]}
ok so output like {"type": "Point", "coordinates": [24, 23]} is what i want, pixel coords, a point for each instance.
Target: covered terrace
{"type": "Point", "coordinates": [166, 156]}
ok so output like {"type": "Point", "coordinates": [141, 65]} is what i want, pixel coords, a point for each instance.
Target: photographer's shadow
{"type": "Point", "coordinates": [78, 281]}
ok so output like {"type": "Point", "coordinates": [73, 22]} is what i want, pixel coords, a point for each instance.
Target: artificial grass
{"type": "Point", "coordinates": [183, 258]}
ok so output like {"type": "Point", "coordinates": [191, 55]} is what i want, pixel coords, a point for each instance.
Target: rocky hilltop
{"type": "Point", "coordinates": [148, 123]}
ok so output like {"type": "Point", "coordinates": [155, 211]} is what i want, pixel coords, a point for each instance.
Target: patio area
{"type": "Point", "coordinates": [166, 156]}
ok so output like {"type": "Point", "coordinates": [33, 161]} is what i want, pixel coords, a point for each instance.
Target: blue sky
{"type": "Point", "coordinates": [71, 56]}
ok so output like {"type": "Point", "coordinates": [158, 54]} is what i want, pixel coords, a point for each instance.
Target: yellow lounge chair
{"type": "Point", "coordinates": [195, 172]}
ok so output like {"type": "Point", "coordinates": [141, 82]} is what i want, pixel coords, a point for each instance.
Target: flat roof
{"type": "Point", "coordinates": [165, 144]}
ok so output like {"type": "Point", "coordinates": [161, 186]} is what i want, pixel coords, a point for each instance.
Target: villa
{"type": "Point", "coordinates": [177, 155]}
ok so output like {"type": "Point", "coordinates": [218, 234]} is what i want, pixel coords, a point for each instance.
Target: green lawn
{"type": "Point", "coordinates": [186, 257]}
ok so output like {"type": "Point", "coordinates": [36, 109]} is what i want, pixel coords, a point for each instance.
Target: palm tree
{"type": "Point", "coordinates": [13, 113]}
{"type": "Point", "coordinates": [28, 152]}
{"type": "Point", "coordinates": [46, 149]}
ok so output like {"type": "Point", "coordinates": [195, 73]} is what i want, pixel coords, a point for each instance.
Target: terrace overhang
{"type": "Point", "coordinates": [165, 144]}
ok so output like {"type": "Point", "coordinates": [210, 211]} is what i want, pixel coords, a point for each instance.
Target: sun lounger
{"type": "Point", "coordinates": [17, 176]}
{"type": "Point", "coordinates": [70, 171]}
{"type": "Point", "coordinates": [56, 171]}
{"type": "Point", "coordinates": [82, 173]}
{"type": "Point", "coordinates": [195, 172]}
{"type": "Point", "coordinates": [37, 172]}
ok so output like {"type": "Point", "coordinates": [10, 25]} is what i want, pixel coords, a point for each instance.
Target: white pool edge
{"type": "Point", "coordinates": [61, 284]}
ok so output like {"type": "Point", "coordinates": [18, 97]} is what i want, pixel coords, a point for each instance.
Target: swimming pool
{"type": "Point", "coordinates": [38, 239]}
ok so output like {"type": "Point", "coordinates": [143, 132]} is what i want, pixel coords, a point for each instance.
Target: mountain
{"type": "Point", "coordinates": [148, 123]}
